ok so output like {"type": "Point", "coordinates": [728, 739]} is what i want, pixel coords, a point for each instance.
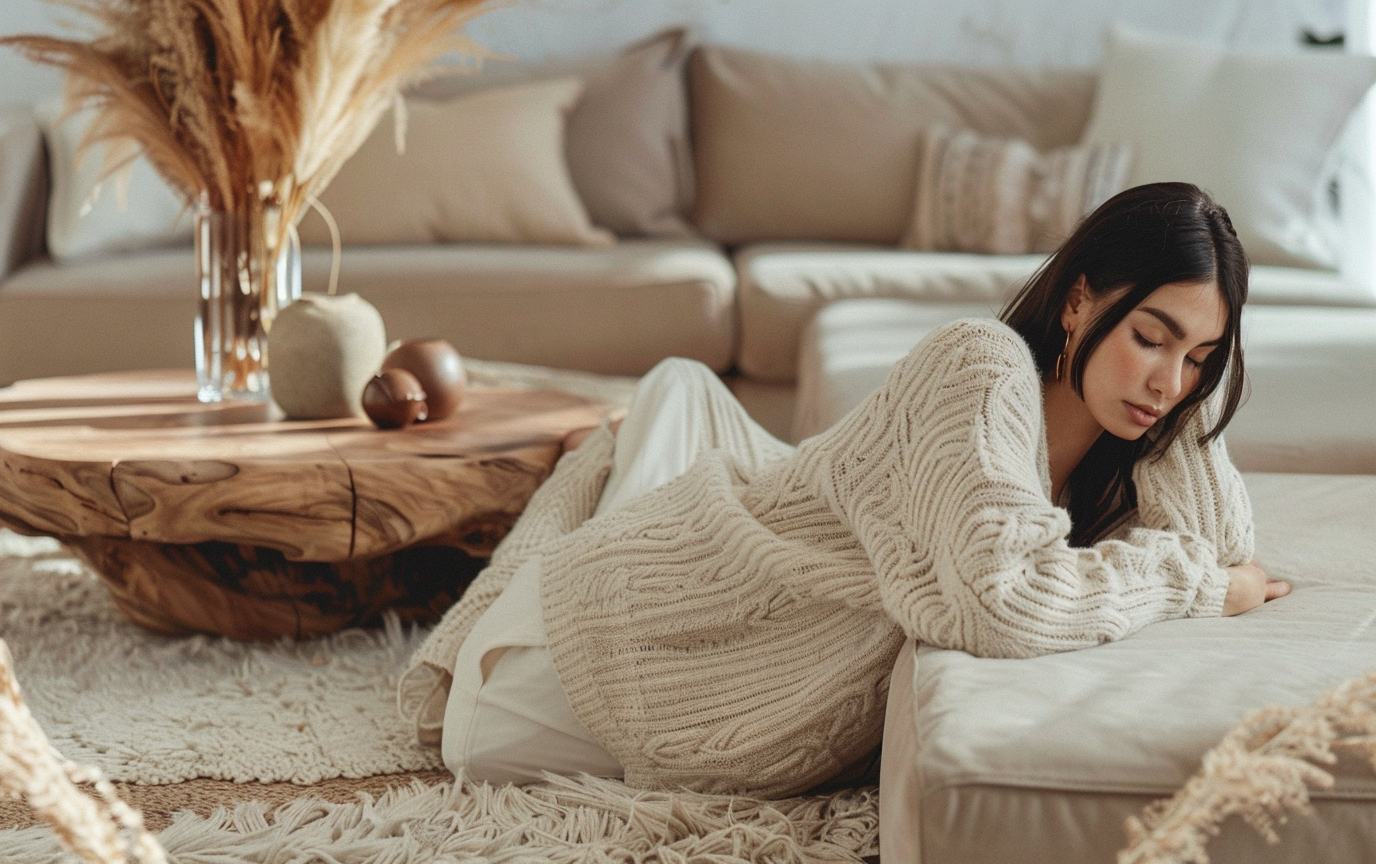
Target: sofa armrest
{"type": "Point", "coordinates": [23, 189]}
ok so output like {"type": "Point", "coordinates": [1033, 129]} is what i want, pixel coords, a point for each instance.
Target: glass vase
{"type": "Point", "coordinates": [247, 269]}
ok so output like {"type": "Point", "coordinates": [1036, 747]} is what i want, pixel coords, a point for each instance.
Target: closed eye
{"type": "Point", "coordinates": [1147, 343]}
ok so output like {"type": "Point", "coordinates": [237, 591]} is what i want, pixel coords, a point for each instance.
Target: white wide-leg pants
{"type": "Point", "coordinates": [507, 719]}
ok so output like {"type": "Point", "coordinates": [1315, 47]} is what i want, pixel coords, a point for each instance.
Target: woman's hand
{"type": "Point", "coordinates": [1249, 587]}
{"type": "Point", "coordinates": [575, 438]}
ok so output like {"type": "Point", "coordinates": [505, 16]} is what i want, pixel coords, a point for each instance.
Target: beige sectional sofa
{"type": "Point", "coordinates": [727, 196]}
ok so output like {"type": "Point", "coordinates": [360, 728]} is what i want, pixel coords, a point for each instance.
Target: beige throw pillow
{"type": "Point", "coordinates": [627, 146]}
{"type": "Point", "coordinates": [130, 211]}
{"type": "Point", "coordinates": [1003, 197]}
{"type": "Point", "coordinates": [484, 168]}
{"type": "Point", "coordinates": [812, 150]}
{"type": "Point", "coordinates": [1252, 129]}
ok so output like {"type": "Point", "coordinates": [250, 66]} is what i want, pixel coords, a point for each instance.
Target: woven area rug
{"type": "Point", "coordinates": [294, 752]}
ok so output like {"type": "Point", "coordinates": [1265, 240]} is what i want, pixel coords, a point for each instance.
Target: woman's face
{"type": "Point", "coordinates": [1153, 358]}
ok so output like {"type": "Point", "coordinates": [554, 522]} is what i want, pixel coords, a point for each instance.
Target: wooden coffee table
{"type": "Point", "coordinates": [225, 518]}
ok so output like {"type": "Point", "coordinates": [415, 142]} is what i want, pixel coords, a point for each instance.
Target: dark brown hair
{"type": "Point", "coordinates": [1132, 244]}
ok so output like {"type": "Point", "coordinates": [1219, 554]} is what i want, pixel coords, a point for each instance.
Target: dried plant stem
{"type": "Point", "coordinates": [101, 830]}
{"type": "Point", "coordinates": [249, 105]}
{"type": "Point", "coordinates": [1262, 770]}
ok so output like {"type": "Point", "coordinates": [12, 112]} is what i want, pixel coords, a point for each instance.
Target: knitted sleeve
{"type": "Point", "coordinates": [948, 496]}
{"type": "Point", "coordinates": [1194, 489]}
{"type": "Point", "coordinates": [563, 502]}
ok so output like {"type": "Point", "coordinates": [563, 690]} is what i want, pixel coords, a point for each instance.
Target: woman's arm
{"type": "Point", "coordinates": [1194, 489]}
{"type": "Point", "coordinates": [945, 486]}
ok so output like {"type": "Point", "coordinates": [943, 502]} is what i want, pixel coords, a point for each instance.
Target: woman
{"type": "Point", "coordinates": [692, 603]}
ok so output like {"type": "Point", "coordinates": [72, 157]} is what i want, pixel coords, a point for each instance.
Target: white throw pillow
{"type": "Point", "coordinates": [487, 167]}
{"type": "Point", "coordinates": [1000, 196]}
{"type": "Point", "coordinates": [81, 223]}
{"type": "Point", "coordinates": [1251, 129]}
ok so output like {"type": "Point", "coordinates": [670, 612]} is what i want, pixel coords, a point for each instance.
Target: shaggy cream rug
{"type": "Point", "coordinates": [564, 820]}
{"type": "Point", "coordinates": [150, 709]}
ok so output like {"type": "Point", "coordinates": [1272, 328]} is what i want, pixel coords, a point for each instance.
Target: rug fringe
{"type": "Point", "coordinates": [561, 821]}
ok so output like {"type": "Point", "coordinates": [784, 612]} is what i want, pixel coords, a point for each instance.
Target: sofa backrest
{"type": "Point", "coordinates": [812, 150]}
{"type": "Point", "coordinates": [23, 189]}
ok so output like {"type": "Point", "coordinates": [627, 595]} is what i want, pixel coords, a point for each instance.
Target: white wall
{"type": "Point", "coordinates": [1028, 32]}
{"type": "Point", "coordinates": [21, 82]}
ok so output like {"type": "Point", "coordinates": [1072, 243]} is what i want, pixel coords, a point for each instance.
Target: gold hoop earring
{"type": "Point", "coordinates": [1060, 360]}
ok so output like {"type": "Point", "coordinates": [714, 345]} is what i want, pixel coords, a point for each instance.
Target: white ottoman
{"type": "Point", "coordinates": [1312, 405]}
{"type": "Point", "coordinates": [1039, 761]}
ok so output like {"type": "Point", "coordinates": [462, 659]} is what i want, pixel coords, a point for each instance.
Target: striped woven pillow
{"type": "Point", "coordinates": [1001, 196]}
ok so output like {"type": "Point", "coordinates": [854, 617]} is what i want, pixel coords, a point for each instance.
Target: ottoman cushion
{"type": "Point", "coordinates": [1041, 760]}
{"type": "Point", "coordinates": [1308, 367]}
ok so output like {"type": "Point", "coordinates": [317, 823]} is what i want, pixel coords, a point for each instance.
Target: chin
{"type": "Point", "coordinates": [1125, 428]}
{"type": "Point", "coordinates": [1132, 433]}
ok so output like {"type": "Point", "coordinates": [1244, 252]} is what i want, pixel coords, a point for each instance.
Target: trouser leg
{"type": "Point", "coordinates": [680, 410]}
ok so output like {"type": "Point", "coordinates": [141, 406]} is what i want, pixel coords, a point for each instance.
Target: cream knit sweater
{"type": "Point", "coordinates": [734, 629]}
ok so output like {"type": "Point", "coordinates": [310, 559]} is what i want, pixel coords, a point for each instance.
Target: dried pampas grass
{"type": "Point", "coordinates": [249, 106]}
{"type": "Point", "coordinates": [101, 830]}
{"type": "Point", "coordinates": [1261, 771]}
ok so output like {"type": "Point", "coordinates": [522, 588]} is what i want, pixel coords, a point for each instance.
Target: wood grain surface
{"type": "Point", "coordinates": [267, 526]}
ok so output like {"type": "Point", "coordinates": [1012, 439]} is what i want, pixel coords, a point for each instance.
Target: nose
{"type": "Point", "coordinates": [1167, 379]}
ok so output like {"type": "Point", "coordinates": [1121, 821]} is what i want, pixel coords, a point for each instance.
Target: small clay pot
{"type": "Point", "coordinates": [439, 369]}
{"type": "Point", "coordinates": [394, 399]}
{"type": "Point", "coordinates": [322, 351]}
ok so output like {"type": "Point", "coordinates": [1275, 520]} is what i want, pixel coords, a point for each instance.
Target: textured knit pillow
{"type": "Point", "coordinates": [487, 167]}
{"type": "Point", "coordinates": [1001, 196]}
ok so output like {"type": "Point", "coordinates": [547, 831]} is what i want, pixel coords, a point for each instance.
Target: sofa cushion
{"type": "Point", "coordinates": [134, 209]}
{"type": "Point", "coordinates": [791, 149]}
{"type": "Point", "coordinates": [1304, 365]}
{"type": "Point", "coordinates": [847, 348]}
{"type": "Point", "coordinates": [616, 310]}
{"type": "Point", "coordinates": [97, 314]}
{"type": "Point", "coordinates": [781, 286]}
{"type": "Point", "coordinates": [1067, 746]}
{"type": "Point", "coordinates": [1295, 286]}
{"type": "Point", "coordinates": [1001, 196]}
{"type": "Point", "coordinates": [627, 138]}
{"type": "Point", "coordinates": [1246, 127]}
{"type": "Point", "coordinates": [487, 167]}
{"type": "Point", "coordinates": [23, 188]}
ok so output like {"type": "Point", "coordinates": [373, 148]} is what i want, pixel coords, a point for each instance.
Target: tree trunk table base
{"type": "Point", "coordinates": [252, 592]}
{"type": "Point", "coordinates": [224, 518]}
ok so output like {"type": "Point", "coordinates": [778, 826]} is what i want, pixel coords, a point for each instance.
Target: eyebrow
{"type": "Point", "coordinates": [1174, 326]}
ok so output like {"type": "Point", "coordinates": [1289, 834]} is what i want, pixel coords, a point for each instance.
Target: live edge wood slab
{"type": "Point", "coordinates": [225, 518]}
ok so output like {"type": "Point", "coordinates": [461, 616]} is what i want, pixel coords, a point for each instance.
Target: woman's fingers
{"type": "Point", "coordinates": [1276, 588]}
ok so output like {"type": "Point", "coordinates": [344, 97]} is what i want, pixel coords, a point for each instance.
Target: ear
{"type": "Point", "coordinates": [1077, 305]}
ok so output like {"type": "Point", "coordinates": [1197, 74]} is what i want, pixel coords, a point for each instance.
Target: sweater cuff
{"type": "Point", "coordinates": [1208, 600]}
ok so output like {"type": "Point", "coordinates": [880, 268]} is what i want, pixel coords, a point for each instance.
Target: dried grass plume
{"type": "Point", "coordinates": [248, 104]}
{"type": "Point", "coordinates": [101, 830]}
{"type": "Point", "coordinates": [1262, 770]}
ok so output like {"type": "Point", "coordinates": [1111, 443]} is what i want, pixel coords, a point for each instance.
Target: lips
{"type": "Point", "coordinates": [1143, 415]}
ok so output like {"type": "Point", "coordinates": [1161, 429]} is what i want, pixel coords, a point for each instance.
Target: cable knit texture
{"type": "Point", "coordinates": [734, 629]}
{"type": "Point", "coordinates": [564, 501]}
